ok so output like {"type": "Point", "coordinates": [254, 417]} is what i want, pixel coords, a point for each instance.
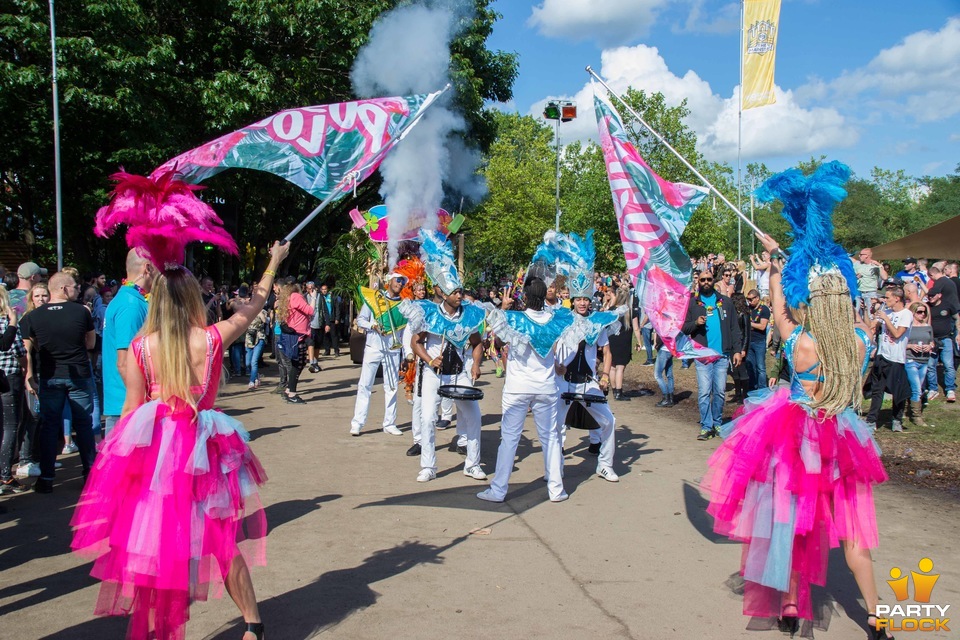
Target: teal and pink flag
{"type": "Point", "coordinates": [651, 214]}
{"type": "Point", "coordinates": [323, 149]}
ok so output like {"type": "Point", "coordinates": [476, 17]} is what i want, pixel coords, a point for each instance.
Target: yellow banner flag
{"type": "Point", "coordinates": [761, 26]}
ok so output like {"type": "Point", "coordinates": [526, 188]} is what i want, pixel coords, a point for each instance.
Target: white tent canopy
{"type": "Point", "coordinates": [939, 241]}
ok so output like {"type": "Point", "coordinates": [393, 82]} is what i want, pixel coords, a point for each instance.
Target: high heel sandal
{"type": "Point", "coordinates": [874, 632]}
{"type": "Point", "coordinates": [256, 628]}
{"type": "Point", "coordinates": [788, 624]}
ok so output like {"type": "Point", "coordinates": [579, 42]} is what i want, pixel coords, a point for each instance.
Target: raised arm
{"type": "Point", "coordinates": [778, 304]}
{"type": "Point", "coordinates": [236, 325]}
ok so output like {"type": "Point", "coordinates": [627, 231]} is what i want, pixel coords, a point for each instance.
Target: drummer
{"type": "Point", "coordinates": [580, 359]}
{"type": "Point", "coordinates": [448, 341]}
{"type": "Point", "coordinates": [531, 383]}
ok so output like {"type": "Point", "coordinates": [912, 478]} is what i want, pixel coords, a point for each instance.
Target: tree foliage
{"type": "Point", "coordinates": [141, 82]}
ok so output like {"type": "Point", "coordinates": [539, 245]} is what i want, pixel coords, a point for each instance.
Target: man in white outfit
{"type": "Point", "coordinates": [530, 385]}
{"type": "Point", "coordinates": [384, 347]}
{"type": "Point", "coordinates": [577, 351]}
{"type": "Point", "coordinates": [448, 342]}
{"type": "Point", "coordinates": [580, 377]}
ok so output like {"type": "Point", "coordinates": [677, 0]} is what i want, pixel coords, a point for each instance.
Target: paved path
{"type": "Point", "coordinates": [358, 549]}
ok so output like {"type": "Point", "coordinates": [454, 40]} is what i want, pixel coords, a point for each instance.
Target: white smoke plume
{"type": "Point", "coordinates": [409, 52]}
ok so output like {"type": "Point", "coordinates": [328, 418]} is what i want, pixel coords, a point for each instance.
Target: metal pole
{"type": "Point", "coordinates": [740, 139]}
{"type": "Point", "coordinates": [558, 174]}
{"type": "Point", "coordinates": [659, 137]}
{"type": "Point", "coordinates": [56, 141]}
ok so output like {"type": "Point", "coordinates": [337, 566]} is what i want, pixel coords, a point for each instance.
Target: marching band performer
{"type": "Point", "coordinates": [577, 350]}
{"type": "Point", "coordinates": [384, 329]}
{"type": "Point", "coordinates": [531, 379]}
{"type": "Point", "coordinates": [447, 340]}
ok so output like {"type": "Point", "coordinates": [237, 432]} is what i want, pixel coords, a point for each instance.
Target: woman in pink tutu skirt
{"type": "Point", "coordinates": [170, 511]}
{"type": "Point", "coordinates": [794, 475]}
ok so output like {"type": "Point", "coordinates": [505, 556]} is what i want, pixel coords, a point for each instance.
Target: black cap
{"type": "Point", "coordinates": [909, 259]}
{"type": "Point", "coordinates": [243, 291]}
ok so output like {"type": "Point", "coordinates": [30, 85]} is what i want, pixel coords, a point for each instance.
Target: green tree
{"type": "Point", "coordinates": [520, 169]}
{"type": "Point", "coordinates": [940, 200]}
{"type": "Point", "coordinates": [586, 203]}
{"type": "Point", "coordinates": [142, 82]}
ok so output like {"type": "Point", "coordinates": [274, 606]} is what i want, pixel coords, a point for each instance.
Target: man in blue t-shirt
{"type": "Point", "coordinates": [911, 274]}
{"type": "Point", "coordinates": [123, 320]}
{"type": "Point", "coordinates": [712, 322]}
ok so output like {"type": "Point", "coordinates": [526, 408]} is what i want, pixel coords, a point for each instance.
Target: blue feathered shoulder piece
{"type": "Point", "coordinates": [436, 253]}
{"type": "Point", "coordinates": [808, 204]}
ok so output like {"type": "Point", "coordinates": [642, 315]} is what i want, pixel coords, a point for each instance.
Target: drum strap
{"type": "Point", "coordinates": [579, 371]}
{"type": "Point", "coordinates": [451, 363]}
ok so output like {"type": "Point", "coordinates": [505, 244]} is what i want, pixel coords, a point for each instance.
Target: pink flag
{"type": "Point", "coordinates": [652, 214]}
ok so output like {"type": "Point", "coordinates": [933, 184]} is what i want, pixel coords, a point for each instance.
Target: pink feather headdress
{"type": "Point", "coordinates": [163, 215]}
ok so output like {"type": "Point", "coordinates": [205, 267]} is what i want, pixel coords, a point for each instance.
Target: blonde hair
{"type": "Point", "coordinates": [30, 305]}
{"type": "Point", "coordinates": [4, 302]}
{"type": "Point", "coordinates": [283, 300]}
{"type": "Point", "coordinates": [623, 300]}
{"type": "Point", "coordinates": [175, 309]}
{"type": "Point", "coordinates": [829, 317]}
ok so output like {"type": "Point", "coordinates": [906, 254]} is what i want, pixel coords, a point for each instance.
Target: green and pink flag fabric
{"type": "Point", "coordinates": [323, 149]}
{"type": "Point", "coordinates": [651, 214]}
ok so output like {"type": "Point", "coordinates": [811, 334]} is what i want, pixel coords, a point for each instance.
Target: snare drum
{"type": "Point", "coordinates": [460, 392]}
{"type": "Point", "coordinates": [585, 398]}
{"type": "Point", "coordinates": [577, 416]}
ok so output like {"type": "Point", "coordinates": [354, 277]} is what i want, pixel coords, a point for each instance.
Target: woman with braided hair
{"type": "Point", "coordinates": [795, 473]}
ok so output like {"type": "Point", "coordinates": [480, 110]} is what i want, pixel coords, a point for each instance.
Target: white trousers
{"type": "Point", "coordinates": [604, 417]}
{"type": "Point", "coordinates": [544, 408]}
{"type": "Point", "coordinates": [468, 418]}
{"type": "Point", "coordinates": [417, 407]}
{"type": "Point", "coordinates": [372, 358]}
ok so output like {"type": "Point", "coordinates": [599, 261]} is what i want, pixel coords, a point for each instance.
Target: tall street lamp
{"type": "Point", "coordinates": [560, 111]}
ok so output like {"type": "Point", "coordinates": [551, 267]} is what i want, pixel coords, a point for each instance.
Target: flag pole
{"type": "Point", "coordinates": [659, 137]}
{"type": "Point", "coordinates": [740, 139]}
{"type": "Point", "coordinates": [352, 179]}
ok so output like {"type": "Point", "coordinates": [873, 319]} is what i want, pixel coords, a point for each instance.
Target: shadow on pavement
{"type": "Point", "coordinates": [266, 431]}
{"type": "Point", "coordinates": [331, 598]}
{"type": "Point", "coordinates": [281, 513]}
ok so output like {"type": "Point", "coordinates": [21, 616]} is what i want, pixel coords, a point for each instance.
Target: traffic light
{"type": "Point", "coordinates": [564, 111]}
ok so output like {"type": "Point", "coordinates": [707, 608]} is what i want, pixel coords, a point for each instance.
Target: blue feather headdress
{"type": "Point", "coordinates": [545, 260]}
{"type": "Point", "coordinates": [436, 253]}
{"type": "Point", "coordinates": [573, 257]}
{"type": "Point", "coordinates": [808, 204]}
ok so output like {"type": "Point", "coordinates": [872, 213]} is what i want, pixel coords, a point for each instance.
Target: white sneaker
{"type": "Point", "coordinates": [931, 395]}
{"type": "Point", "coordinates": [489, 496]}
{"type": "Point", "coordinates": [392, 430]}
{"type": "Point", "coordinates": [28, 470]}
{"type": "Point", "coordinates": [608, 474]}
{"type": "Point", "coordinates": [355, 429]}
{"type": "Point", "coordinates": [951, 396]}
{"type": "Point", "coordinates": [560, 498]}
{"type": "Point", "coordinates": [69, 448]}
{"type": "Point", "coordinates": [475, 472]}
{"type": "Point", "coordinates": [425, 475]}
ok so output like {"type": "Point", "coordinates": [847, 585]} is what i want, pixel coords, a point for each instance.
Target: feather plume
{"type": "Point", "coordinates": [163, 215]}
{"type": "Point", "coordinates": [436, 252]}
{"type": "Point", "coordinates": [808, 205]}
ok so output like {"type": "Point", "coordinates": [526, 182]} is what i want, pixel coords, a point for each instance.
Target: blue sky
{"type": "Point", "coordinates": [870, 83]}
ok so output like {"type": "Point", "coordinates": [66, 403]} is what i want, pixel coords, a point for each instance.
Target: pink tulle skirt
{"type": "Point", "coordinates": [791, 486]}
{"type": "Point", "coordinates": [170, 502]}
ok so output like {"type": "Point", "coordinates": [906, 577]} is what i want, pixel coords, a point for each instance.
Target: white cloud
{"type": "Point", "coordinates": [955, 137]}
{"type": "Point", "coordinates": [607, 22]}
{"type": "Point", "coordinates": [783, 129]}
{"type": "Point", "coordinates": [919, 78]}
